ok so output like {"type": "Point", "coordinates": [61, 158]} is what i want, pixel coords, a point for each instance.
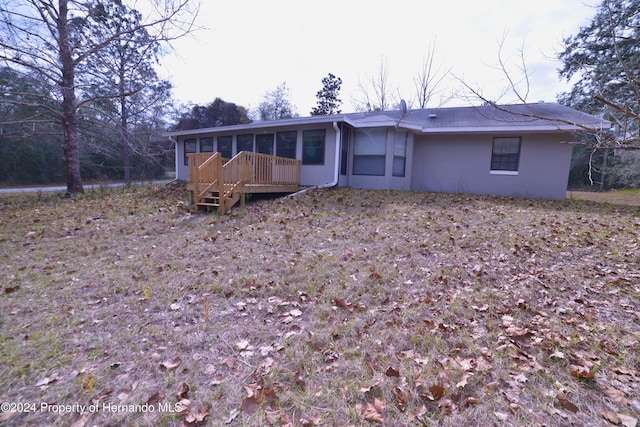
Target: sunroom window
{"type": "Point", "coordinates": [264, 143]}
{"type": "Point", "coordinates": [244, 142]}
{"type": "Point", "coordinates": [225, 146]}
{"type": "Point", "coordinates": [313, 142]}
{"type": "Point", "coordinates": [286, 144]}
{"type": "Point", "coordinates": [189, 147]}
{"type": "Point", "coordinates": [369, 152]}
{"type": "Point", "coordinates": [206, 144]}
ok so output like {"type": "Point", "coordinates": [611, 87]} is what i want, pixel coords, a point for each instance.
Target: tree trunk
{"type": "Point", "coordinates": [69, 109]}
{"type": "Point", "coordinates": [126, 151]}
{"type": "Point", "coordinates": [72, 156]}
{"type": "Point", "coordinates": [124, 124]}
{"type": "Point", "coordinates": [603, 170]}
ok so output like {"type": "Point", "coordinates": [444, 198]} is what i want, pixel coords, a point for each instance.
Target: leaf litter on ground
{"type": "Point", "coordinates": [333, 307]}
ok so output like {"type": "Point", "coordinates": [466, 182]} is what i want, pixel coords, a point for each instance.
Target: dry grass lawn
{"type": "Point", "coordinates": [336, 307]}
{"type": "Point", "coordinates": [629, 197]}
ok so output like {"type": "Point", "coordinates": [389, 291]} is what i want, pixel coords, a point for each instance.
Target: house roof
{"type": "Point", "coordinates": [538, 117]}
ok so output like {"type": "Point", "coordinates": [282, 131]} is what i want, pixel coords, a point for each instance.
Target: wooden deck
{"type": "Point", "coordinates": [215, 182]}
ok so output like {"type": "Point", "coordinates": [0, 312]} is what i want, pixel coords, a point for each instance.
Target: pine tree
{"type": "Point", "coordinates": [328, 101]}
{"type": "Point", "coordinates": [605, 55]}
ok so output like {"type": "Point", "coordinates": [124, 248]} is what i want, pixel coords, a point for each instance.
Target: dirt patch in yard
{"type": "Point", "coordinates": [334, 307]}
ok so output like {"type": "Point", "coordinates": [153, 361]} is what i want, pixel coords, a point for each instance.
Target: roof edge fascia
{"type": "Point", "coordinates": [524, 128]}
{"type": "Point", "coordinates": [263, 124]}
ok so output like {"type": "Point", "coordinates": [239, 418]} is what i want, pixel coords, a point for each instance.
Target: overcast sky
{"type": "Point", "coordinates": [249, 47]}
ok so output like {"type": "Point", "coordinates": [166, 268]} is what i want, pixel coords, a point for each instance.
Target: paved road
{"type": "Point", "coordinates": [86, 187]}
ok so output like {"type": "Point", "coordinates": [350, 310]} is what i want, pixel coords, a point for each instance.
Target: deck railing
{"type": "Point", "coordinates": [207, 171]}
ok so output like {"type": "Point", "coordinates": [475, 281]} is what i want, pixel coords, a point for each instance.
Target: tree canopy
{"type": "Point", "coordinates": [328, 100]}
{"type": "Point", "coordinates": [605, 56]}
{"type": "Point", "coordinates": [218, 113]}
{"type": "Point", "coordinates": [55, 43]}
{"type": "Point", "coordinates": [276, 104]}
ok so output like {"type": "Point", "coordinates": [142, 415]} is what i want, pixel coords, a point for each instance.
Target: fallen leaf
{"type": "Point", "coordinates": [617, 395]}
{"type": "Point", "coordinates": [437, 391]}
{"type": "Point", "coordinates": [516, 332]}
{"type": "Point", "coordinates": [343, 304]}
{"type": "Point", "coordinates": [250, 404]}
{"type": "Point", "coordinates": [300, 381]}
{"type": "Point", "coordinates": [471, 401]}
{"type": "Point", "coordinates": [417, 413]}
{"type": "Point", "coordinates": [392, 372]}
{"type": "Point", "coordinates": [376, 381]}
{"type": "Point", "coordinates": [565, 403]}
{"type": "Point", "coordinates": [196, 416]}
{"type": "Point", "coordinates": [609, 347]}
{"type": "Point", "coordinates": [184, 391]}
{"type": "Point", "coordinates": [612, 417]}
{"type": "Point", "coordinates": [401, 397]}
{"type": "Point", "coordinates": [627, 420]}
{"type": "Point", "coordinates": [48, 380]}
{"type": "Point", "coordinates": [581, 372]}
{"type": "Point", "coordinates": [233, 414]}
{"type": "Point", "coordinates": [463, 381]}
{"type": "Point", "coordinates": [155, 398]}
{"type": "Point", "coordinates": [265, 350]}
{"type": "Point", "coordinates": [521, 378]}
{"type": "Point", "coordinates": [313, 421]}
{"type": "Point", "coordinates": [242, 345]}
{"type": "Point", "coordinates": [501, 416]}
{"type": "Point", "coordinates": [372, 411]}
{"type": "Point", "coordinates": [171, 365]}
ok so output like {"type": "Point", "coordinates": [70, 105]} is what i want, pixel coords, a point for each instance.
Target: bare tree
{"type": "Point", "coordinates": [517, 89]}
{"type": "Point", "coordinates": [428, 81]}
{"type": "Point", "coordinates": [52, 42]}
{"type": "Point", "coordinates": [375, 92]}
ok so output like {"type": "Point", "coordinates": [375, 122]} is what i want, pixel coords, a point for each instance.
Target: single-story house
{"type": "Point", "coordinates": [519, 150]}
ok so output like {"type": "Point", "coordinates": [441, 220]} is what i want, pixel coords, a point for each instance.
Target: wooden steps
{"type": "Point", "coordinates": [221, 183]}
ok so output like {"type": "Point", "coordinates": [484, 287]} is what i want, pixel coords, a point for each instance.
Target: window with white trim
{"type": "Point", "coordinates": [369, 151]}
{"type": "Point", "coordinates": [505, 155]}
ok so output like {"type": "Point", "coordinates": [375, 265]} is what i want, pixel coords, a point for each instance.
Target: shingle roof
{"type": "Point", "coordinates": [539, 116]}
{"type": "Point", "coordinates": [486, 118]}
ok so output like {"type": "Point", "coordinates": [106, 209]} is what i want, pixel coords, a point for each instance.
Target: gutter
{"type": "Point", "coordinates": [336, 173]}
{"type": "Point", "coordinates": [176, 161]}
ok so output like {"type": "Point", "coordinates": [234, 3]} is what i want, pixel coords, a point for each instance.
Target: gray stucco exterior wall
{"type": "Point", "coordinates": [387, 181]}
{"type": "Point", "coordinates": [461, 164]}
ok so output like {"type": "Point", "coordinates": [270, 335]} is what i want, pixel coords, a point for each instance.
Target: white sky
{"type": "Point", "coordinates": [249, 47]}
